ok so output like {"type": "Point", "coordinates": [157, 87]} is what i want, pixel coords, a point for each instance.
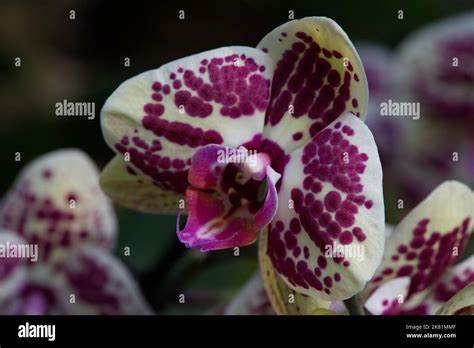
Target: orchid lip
{"type": "Point", "coordinates": [231, 196]}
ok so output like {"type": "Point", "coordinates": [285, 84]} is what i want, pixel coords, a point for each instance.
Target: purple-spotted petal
{"type": "Point", "coordinates": [224, 210]}
{"type": "Point", "coordinates": [318, 77]}
{"type": "Point", "coordinates": [454, 279]}
{"type": "Point", "coordinates": [38, 294]}
{"type": "Point", "coordinates": [127, 186]}
{"type": "Point", "coordinates": [13, 272]}
{"type": "Point", "coordinates": [389, 298]}
{"type": "Point", "coordinates": [251, 300]}
{"type": "Point", "coordinates": [429, 239]}
{"type": "Point", "coordinates": [327, 237]}
{"type": "Point", "coordinates": [436, 67]}
{"type": "Point", "coordinates": [100, 285]}
{"type": "Point", "coordinates": [56, 202]}
{"type": "Point", "coordinates": [283, 298]}
{"type": "Point", "coordinates": [428, 302]}
{"type": "Point", "coordinates": [159, 118]}
{"type": "Point", "coordinates": [460, 304]}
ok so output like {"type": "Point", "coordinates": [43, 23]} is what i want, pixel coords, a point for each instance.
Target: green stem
{"type": "Point", "coordinates": [354, 305]}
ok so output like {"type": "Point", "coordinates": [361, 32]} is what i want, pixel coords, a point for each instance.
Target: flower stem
{"type": "Point", "coordinates": [354, 305]}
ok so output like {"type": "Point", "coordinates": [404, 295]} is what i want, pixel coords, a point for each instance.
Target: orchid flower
{"type": "Point", "coordinates": [414, 278]}
{"type": "Point", "coordinates": [294, 107]}
{"type": "Point", "coordinates": [435, 69]}
{"type": "Point", "coordinates": [56, 207]}
{"type": "Point", "coordinates": [418, 273]}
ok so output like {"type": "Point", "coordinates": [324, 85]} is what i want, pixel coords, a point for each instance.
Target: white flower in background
{"type": "Point", "coordinates": [56, 207]}
{"type": "Point", "coordinates": [420, 270]}
{"type": "Point", "coordinates": [435, 68]}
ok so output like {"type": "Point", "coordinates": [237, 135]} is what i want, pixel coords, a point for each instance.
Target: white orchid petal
{"type": "Point", "coordinates": [158, 119]}
{"type": "Point", "coordinates": [389, 298]}
{"type": "Point", "coordinates": [56, 202]}
{"type": "Point", "coordinates": [283, 298]}
{"type": "Point", "coordinates": [318, 77]}
{"type": "Point", "coordinates": [327, 237]}
{"type": "Point", "coordinates": [429, 239]}
{"type": "Point", "coordinates": [100, 285]}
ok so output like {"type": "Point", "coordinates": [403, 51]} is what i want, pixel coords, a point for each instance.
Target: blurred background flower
{"type": "Point", "coordinates": [56, 231]}
{"type": "Point", "coordinates": [84, 60]}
